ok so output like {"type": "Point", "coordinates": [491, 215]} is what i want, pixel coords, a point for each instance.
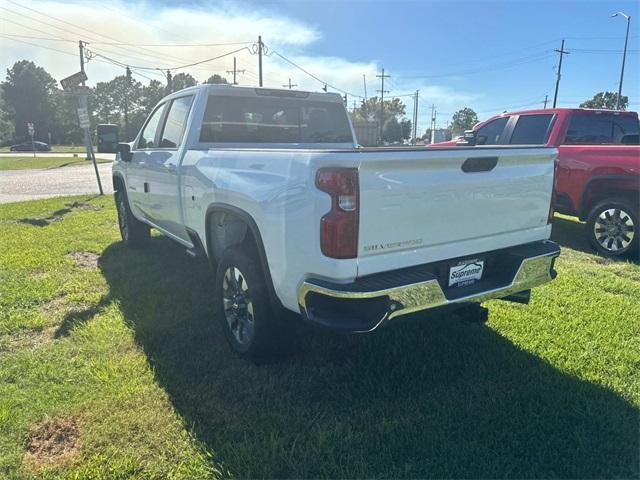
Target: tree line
{"type": "Point", "coordinates": [29, 94]}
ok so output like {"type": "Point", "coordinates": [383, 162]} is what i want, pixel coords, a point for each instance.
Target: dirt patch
{"type": "Point", "coordinates": [85, 259]}
{"type": "Point", "coordinates": [30, 339]}
{"type": "Point", "coordinates": [83, 206]}
{"type": "Point", "coordinates": [53, 442]}
{"type": "Point", "coordinates": [38, 272]}
{"type": "Point", "coordinates": [59, 214]}
{"type": "Point", "coordinates": [602, 260]}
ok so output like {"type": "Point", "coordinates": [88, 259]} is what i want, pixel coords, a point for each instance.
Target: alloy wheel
{"type": "Point", "coordinates": [614, 229]}
{"type": "Point", "coordinates": [238, 308]}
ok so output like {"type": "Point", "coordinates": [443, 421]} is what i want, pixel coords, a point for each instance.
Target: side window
{"type": "Point", "coordinates": [602, 129]}
{"type": "Point", "coordinates": [531, 130]}
{"type": "Point", "coordinates": [176, 121]}
{"type": "Point", "coordinates": [148, 137]}
{"type": "Point", "coordinates": [490, 133]}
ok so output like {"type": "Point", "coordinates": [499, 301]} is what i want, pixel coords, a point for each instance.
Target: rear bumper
{"type": "Point", "coordinates": [370, 301]}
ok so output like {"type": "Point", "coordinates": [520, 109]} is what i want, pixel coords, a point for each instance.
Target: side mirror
{"type": "Point", "coordinates": [470, 137]}
{"type": "Point", "coordinates": [124, 150]}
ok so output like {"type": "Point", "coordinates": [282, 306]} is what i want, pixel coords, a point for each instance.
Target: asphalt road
{"type": "Point", "coordinates": [17, 185]}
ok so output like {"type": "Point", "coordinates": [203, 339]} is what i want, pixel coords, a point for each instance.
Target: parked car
{"type": "Point", "coordinates": [30, 147]}
{"type": "Point", "coordinates": [598, 177]}
{"type": "Point", "coordinates": [270, 186]}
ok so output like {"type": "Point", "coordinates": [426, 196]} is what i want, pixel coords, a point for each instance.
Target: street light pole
{"type": "Point", "coordinates": [624, 55]}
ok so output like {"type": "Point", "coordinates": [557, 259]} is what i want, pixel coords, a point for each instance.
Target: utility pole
{"type": "Point", "coordinates": [364, 105]}
{"type": "Point", "coordinates": [81, 47]}
{"type": "Point", "coordinates": [126, 102]}
{"type": "Point", "coordinates": [290, 85]}
{"type": "Point", "coordinates": [364, 81]}
{"type": "Point", "coordinates": [562, 51]}
{"type": "Point", "coordinates": [624, 55]}
{"type": "Point", "coordinates": [545, 101]}
{"type": "Point", "coordinates": [234, 71]}
{"type": "Point", "coordinates": [433, 124]}
{"type": "Point", "coordinates": [168, 81]}
{"type": "Point", "coordinates": [260, 59]}
{"type": "Point", "coordinates": [382, 92]}
{"type": "Point", "coordinates": [83, 108]}
{"type": "Point", "coordinates": [415, 117]}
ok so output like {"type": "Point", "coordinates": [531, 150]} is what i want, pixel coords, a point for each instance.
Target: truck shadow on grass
{"type": "Point", "coordinates": [427, 397]}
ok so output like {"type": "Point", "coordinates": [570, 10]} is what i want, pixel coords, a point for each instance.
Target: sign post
{"type": "Point", "coordinates": [31, 133]}
{"type": "Point", "coordinates": [72, 85]}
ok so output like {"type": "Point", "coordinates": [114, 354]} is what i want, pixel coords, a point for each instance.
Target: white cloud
{"type": "Point", "coordinates": [146, 23]}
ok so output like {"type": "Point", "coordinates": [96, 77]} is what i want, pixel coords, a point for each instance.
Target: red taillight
{"type": "Point", "coordinates": [339, 227]}
{"type": "Point", "coordinates": [553, 192]}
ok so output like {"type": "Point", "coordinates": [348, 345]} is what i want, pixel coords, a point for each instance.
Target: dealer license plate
{"type": "Point", "coordinates": [465, 273]}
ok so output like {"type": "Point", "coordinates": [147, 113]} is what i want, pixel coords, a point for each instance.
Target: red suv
{"type": "Point", "coordinates": [598, 176]}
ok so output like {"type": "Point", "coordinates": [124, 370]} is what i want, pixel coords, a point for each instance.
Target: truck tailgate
{"type": "Point", "coordinates": [414, 200]}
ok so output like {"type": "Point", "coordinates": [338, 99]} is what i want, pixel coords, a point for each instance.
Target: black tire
{"type": "Point", "coordinates": [251, 326]}
{"type": "Point", "coordinates": [613, 228]}
{"type": "Point", "coordinates": [134, 233]}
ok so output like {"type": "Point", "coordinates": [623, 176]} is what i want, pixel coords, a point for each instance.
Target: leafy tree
{"type": "Point", "coordinates": [463, 120]}
{"type": "Point", "coordinates": [7, 130]}
{"type": "Point", "coordinates": [405, 128]}
{"type": "Point", "coordinates": [182, 80]}
{"type": "Point", "coordinates": [606, 100]}
{"type": "Point", "coordinates": [119, 101]}
{"type": "Point", "coordinates": [216, 79]}
{"type": "Point", "coordinates": [371, 109]}
{"type": "Point", "coordinates": [151, 95]}
{"type": "Point", "coordinates": [27, 94]}
{"type": "Point", "coordinates": [392, 131]}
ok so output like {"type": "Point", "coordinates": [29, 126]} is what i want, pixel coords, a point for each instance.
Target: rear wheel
{"type": "Point", "coordinates": [251, 326]}
{"type": "Point", "coordinates": [612, 227]}
{"type": "Point", "coordinates": [133, 232]}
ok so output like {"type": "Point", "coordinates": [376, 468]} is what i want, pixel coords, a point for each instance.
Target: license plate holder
{"type": "Point", "coordinates": [466, 272]}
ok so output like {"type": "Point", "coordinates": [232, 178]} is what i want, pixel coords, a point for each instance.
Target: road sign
{"type": "Point", "coordinates": [73, 80]}
{"type": "Point", "coordinates": [30, 129]}
{"type": "Point", "coordinates": [83, 117]}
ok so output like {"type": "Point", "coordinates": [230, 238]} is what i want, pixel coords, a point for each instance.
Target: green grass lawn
{"type": "Point", "coordinates": [23, 163]}
{"type": "Point", "coordinates": [112, 366]}
{"type": "Point", "coordinates": [58, 149]}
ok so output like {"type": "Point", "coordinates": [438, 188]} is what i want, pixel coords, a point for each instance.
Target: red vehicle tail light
{"type": "Point", "coordinates": [339, 227]}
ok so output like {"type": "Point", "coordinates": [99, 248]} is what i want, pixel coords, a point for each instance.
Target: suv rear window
{"type": "Point", "coordinates": [602, 129]}
{"type": "Point", "coordinates": [229, 119]}
{"type": "Point", "coordinates": [531, 130]}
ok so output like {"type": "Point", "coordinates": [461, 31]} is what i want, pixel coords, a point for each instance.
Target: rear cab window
{"type": "Point", "coordinates": [176, 122]}
{"type": "Point", "coordinates": [245, 119]}
{"type": "Point", "coordinates": [531, 130]}
{"type": "Point", "coordinates": [602, 129]}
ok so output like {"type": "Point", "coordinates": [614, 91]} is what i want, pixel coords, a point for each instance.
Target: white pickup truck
{"type": "Point", "coordinates": [272, 187]}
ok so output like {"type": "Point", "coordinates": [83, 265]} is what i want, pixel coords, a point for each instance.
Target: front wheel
{"type": "Point", "coordinates": [133, 232]}
{"type": "Point", "coordinates": [242, 303]}
{"type": "Point", "coordinates": [612, 227]}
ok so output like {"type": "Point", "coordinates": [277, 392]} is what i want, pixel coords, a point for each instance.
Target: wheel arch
{"type": "Point", "coordinates": [255, 237]}
{"type": "Point", "coordinates": [118, 182]}
{"type": "Point", "coordinates": [600, 187]}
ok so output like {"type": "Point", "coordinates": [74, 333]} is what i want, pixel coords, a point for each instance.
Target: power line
{"type": "Point", "coordinates": [512, 63]}
{"type": "Point", "coordinates": [313, 76]}
{"type": "Point", "coordinates": [179, 67]}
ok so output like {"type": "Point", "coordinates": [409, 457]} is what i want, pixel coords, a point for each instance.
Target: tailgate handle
{"type": "Point", "coordinates": [479, 164]}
